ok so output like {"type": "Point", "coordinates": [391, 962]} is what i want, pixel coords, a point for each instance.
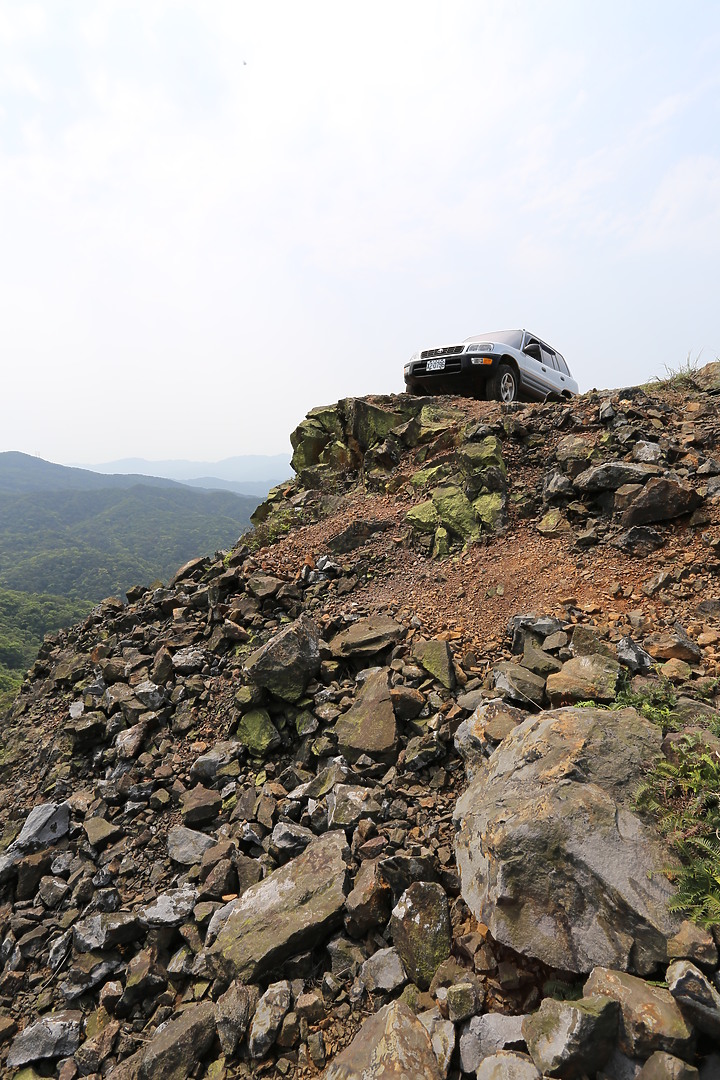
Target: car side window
{"type": "Point", "coordinates": [547, 357]}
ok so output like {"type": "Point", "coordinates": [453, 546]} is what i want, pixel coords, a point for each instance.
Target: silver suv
{"type": "Point", "coordinates": [504, 366]}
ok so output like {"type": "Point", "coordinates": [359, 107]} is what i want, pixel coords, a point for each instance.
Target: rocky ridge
{"type": "Point", "coordinates": [337, 777]}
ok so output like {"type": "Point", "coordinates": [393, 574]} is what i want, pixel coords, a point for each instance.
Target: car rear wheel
{"type": "Point", "coordinates": [504, 384]}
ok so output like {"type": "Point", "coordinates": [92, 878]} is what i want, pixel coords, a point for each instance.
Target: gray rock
{"type": "Point", "coordinates": [149, 694]}
{"type": "Point", "coordinates": [698, 999]}
{"type": "Point", "coordinates": [88, 971]}
{"type": "Point", "coordinates": [269, 1015]}
{"type": "Point", "coordinates": [206, 767]}
{"type": "Point", "coordinates": [232, 1016]}
{"type": "Point", "coordinates": [53, 1036]}
{"type": "Point", "coordinates": [518, 684]}
{"type": "Point", "coordinates": [177, 1047]}
{"type": "Point", "coordinates": [611, 475]}
{"type": "Point", "coordinates": [188, 661]}
{"type": "Point", "coordinates": [187, 846]}
{"type": "Point", "coordinates": [632, 656]}
{"type": "Point", "coordinates": [571, 1038]}
{"type": "Point", "coordinates": [289, 839]}
{"type": "Point", "coordinates": [171, 908]}
{"type": "Point", "coordinates": [650, 1019]}
{"type": "Point", "coordinates": [391, 1043]}
{"type": "Point", "coordinates": [485, 1035]}
{"type": "Point", "coordinates": [44, 826]}
{"type": "Point", "coordinates": [589, 888]}
{"type": "Point", "coordinates": [287, 912]}
{"type": "Point", "coordinates": [287, 663]}
{"type": "Point", "coordinates": [367, 637]}
{"type": "Point", "coordinates": [105, 930]}
{"type": "Point", "coordinates": [647, 453]}
{"type": "Point", "coordinates": [383, 971]}
{"type": "Point", "coordinates": [661, 499]}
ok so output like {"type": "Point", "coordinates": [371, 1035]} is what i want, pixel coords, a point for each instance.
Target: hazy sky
{"type": "Point", "coordinates": [216, 215]}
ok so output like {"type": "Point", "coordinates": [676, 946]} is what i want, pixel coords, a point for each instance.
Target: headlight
{"type": "Point", "coordinates": [408, 369]}
{"type": "Point", "coordinates": [481, 346]}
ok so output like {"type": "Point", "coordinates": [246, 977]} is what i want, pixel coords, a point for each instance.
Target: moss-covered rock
{"type": "Point", "coordinates": [423, 517]}
{"type": "Point", "coordinates": [456, 512]}
{"type": "Point", "coordinates": [490, 509]}
{"type": "Point", "coordinates": [257, 732]}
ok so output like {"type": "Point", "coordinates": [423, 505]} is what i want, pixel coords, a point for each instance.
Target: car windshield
{"type": "Point", "coordinates": [513, 338]}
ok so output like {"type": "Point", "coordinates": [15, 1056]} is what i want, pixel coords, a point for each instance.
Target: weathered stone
{"type": "Point", "coordinates": [232, 1016]}
{"type": "Point", "coordinates": [105, 930]}
{"type": "Point", "coordinates": [611, 475]}
{"type": "Point", "coordinates": [169, 908]}
{"type": "Point", "coordinates": [518, 684]}
{"type": "Point", "coordinates": [589, 887]}
{"type": "Point", "coordinates": [698, 999]}
{"type": "Point", "coordinates": [554, 523]}
{"type": "Point", "coordinates": [673, 645]}
{"type": "Point", "coordinates": [144, 980]}
{"type": "Point", "coordinates": [349, 803]}
{"type": "Point", "coordinates": [442, 1037]}
{"type": "Point", "coordinates": [584, 678]}
{"type": "Point", "coordinates": [662, 1066]}
{"type": "Point", "coordinates": [367, 637]}
{"type": "Point", "coordinates": [187, 846]}
{"type": "Point", "coordinates": [257, 732]}
{"type": "Point", "coordinates": [650, 1019]}
{"type": "Point", "coordinates": [177, 1047]}
{"type": "Point", "coordinates": [199, 804]}
{"type": "Point", "coordinates": [44, 826]}
{"type": "Point", "coordinates": [187, 661]}
{"type": "Point", "coordinates": [289, 839]}
{"type": "Point", "coordinates": [538, 661]}
{"type": "Point", "coordinates": [53, 1036]}
{"type": "Point", "coordinates": [287, 663]}
{"type": "Point", "coordinates": [368, 904]}
{"type": "Point", "coordinates": [271, 1010]}
{"type": "Point", "coordinates": [383, 971]}
{"type": "Point", "coordinates": [693, 942]}
{"type": "Point", "coordinates": [391, 1043]}
{"type": "Point", "coordinates": [485, 1035]}
{"type": "Point", "coordinates": [101, 832]}
{"type": "Point", "coordinates": [475, 737]}
{"type": "Point", "coordinates": [435, 657]}
{"type": "Point", "coordinates": [368, 727]}
{"type": "Point", "coordinates": [506, 1065]}
{"type": "Point", "coordinates": [207, 766]}
{"type": "Point", "coordinates": [661, 499]}
{"type": "Point", "coordinates": [420, 926]}
{"type": "Point", "coordinates": [89, 970]}
{"type": "Point", "coordinates": [285, 913]}
{"type": "Point", "coordinates": [571, 1038]}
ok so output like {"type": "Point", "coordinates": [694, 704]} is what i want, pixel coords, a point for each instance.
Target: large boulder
{"type": "Point", "coordinates": [552, 856]}
{"type": "Point", "coordinates": [650, 1019]}
{"type": "Point", "coordinates": [287, 912]}
{"type": "Point", "coordinates": [661, 499]}
{"type": "Point", "coordinates": [287, 663]}
{"type": "Point", "coordinates": [391, 1043]}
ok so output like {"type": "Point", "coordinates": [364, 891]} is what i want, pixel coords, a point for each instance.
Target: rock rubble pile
{"type": "Point", "coordinates": [263, 821]}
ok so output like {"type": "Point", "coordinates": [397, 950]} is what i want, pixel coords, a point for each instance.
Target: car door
{"type": "Point", "coordinates": [534, 375]}
{"type": "Point", "coordinates": [554, 378]}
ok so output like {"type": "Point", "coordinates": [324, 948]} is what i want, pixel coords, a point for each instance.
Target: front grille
{"type": "Point", "coordinates": [447, 350]}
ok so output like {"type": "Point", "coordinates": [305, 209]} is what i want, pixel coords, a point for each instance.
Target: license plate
{"type": "Point", "coordinates": [436, 365]}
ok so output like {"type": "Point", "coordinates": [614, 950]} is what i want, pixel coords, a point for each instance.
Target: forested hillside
{"type": "Point", "coordinates": [64, 547]}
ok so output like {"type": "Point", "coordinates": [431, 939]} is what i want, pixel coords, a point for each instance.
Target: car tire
{"type": "Point", "coordinates": [503, 386]}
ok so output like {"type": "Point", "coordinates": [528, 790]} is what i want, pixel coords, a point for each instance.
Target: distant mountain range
{"type": "Point", "coordinates": [76, 536]}
{"type": "Point", "coordinates": [247, 474]}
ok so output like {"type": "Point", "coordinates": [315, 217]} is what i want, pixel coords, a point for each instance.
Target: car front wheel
{"type": "Point", "coordinates": [504, 385]}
